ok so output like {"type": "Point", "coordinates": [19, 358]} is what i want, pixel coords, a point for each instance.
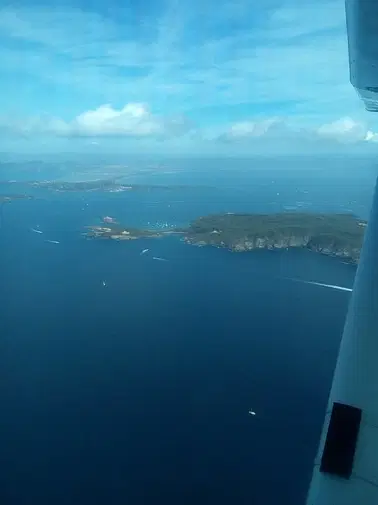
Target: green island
{"type": "Point", "coordinates": [338, 235]}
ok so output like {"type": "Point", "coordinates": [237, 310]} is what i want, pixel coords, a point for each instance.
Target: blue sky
{"type": "Point", "coordinates": [177, 76]}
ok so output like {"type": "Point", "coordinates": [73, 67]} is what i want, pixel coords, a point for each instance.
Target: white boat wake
{"type": "Point", "coordinates": [330, 286]}
{"type": "Point", "coordinates": [159, 259]}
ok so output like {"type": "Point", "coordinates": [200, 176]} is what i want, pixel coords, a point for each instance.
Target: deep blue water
{"type": "Point", "coordinates": [138, 392]}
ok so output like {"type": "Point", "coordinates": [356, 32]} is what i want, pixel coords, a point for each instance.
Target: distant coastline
{"type": "Point", "coordinates": [100, 185]}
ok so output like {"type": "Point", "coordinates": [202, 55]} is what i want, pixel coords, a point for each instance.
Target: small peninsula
{"type": "Point", "coordinates": [338, 235]}
{"type": "Point", "coordinates": [114, 231]}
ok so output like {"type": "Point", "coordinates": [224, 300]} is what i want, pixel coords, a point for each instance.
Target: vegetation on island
{"type": "Point", "coordinates": [332, 234]}
{"type": "Point", "coordinates": [339, 235]}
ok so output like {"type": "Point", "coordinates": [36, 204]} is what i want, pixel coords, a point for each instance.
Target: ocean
{"type": "Point", "coordinates": [138, 391]}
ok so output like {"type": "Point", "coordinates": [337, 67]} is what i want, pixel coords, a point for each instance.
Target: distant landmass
{"type": "Point", "coordinates": [339, 235]}
{"type": "Point", "coordinates": [9, 198]}
{"type": "Point", "coordinates": [101, 185]}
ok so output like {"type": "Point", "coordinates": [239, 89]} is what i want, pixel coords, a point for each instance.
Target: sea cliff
{"type": "Point", "coordinates": [339, 235]}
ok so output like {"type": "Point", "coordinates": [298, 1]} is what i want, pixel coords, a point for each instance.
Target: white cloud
{"type": "Point", "coordinates": [136, 121]}
{"type": "Point", "coordinates": [133, 120]}
{"type": "Point", "coordinates": [253, 128]}
{"type": "Point", "coordinates": [346, 129]}
{"type": "Point", "coordinates": [371, 136]}
{"type": "Point", "coordinates": [343, 130]}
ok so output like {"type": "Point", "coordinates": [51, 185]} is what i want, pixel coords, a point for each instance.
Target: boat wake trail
{"type": "Point", "coordinates": [330, 286]}
{"type": "Point", "coordinates": [159, 259]}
